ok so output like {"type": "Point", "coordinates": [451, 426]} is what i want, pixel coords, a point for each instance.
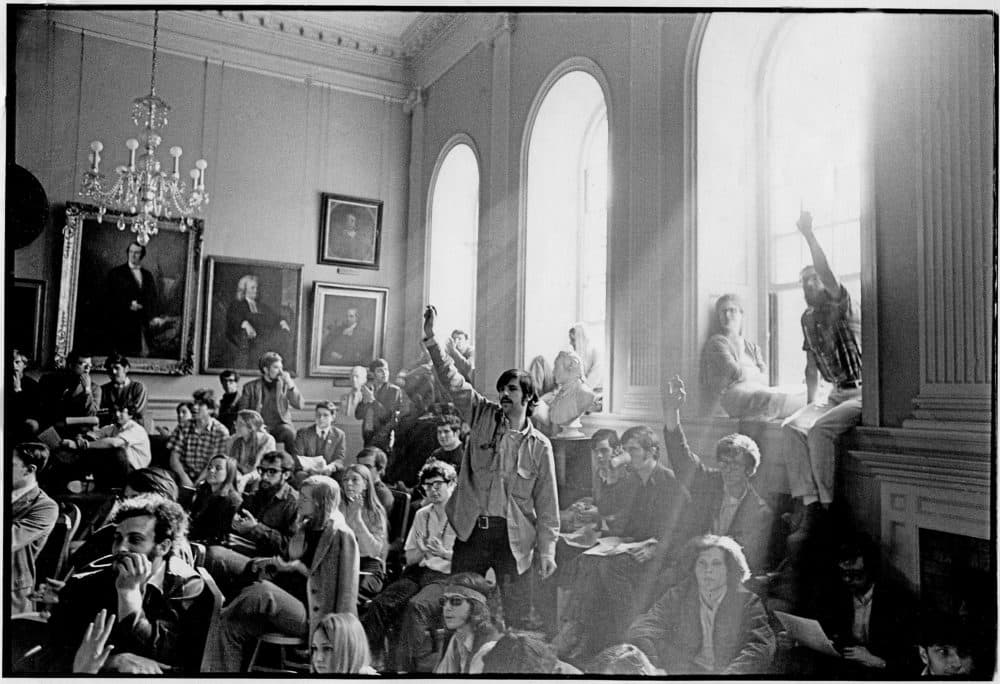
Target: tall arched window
{"type": "Point", "coordinates": [797, 85]}
{"type": "Point", "coordinates": [566, 250]}
{"type": "Point", "coordinates": [453, 238]}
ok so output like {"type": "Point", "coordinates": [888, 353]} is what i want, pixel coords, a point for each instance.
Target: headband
{"type": "Point", "coordinates": [465, 592]}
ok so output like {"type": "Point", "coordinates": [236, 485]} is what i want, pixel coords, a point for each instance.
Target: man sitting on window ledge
{"type": "Point", "coordinates": [831, 326]}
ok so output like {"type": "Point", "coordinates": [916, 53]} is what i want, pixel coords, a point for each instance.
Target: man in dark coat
{"type": "Point", "coordinates": [726, 501]}
{"type": "Point", "coordinates": [132, 300]}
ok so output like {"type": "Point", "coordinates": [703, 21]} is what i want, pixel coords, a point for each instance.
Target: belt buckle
{"type": "Point", "coordinates": [483, 523]}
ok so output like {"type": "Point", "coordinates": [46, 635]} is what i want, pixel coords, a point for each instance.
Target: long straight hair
{"type": "Point", "coordinates": [325, 494]}
{"type": "Point", "coordinates": [372, 510]}
{"type": "Point", "coordinates": [350, 645]}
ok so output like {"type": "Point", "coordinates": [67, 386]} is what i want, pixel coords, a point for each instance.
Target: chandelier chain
{"type": "Point", "coordinates": [156, 32]}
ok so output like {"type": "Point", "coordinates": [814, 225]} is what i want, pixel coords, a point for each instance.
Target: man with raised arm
{"type": "Point", "coordinates": [726, 501]}
{"type": "Point", "coordinates": [831, 328]}
{"type": "Point", "coordinates": [505, 506]}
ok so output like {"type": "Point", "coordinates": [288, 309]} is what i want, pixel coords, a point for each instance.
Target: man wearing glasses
{"type": "Point", "coordinates": [727, 502]}
{"type": "Point", "coordinates": [263, 526]}
{"type": "Point", "coordinates": [428, 564]}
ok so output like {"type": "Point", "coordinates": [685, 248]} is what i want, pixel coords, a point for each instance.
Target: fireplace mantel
{"type": "Point", "coordinates": [930, 481]}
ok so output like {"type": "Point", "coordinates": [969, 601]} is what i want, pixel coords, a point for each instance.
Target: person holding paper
{"type": "Point", "coordinates": [867, 619]}
{"type": "Point", "coordinates": [709, 624]}
{"type": "Point", "coordinates": [609, 591]}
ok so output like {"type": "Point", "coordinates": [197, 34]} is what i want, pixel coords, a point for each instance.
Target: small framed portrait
{"type": "Point", "coordinates": [116, 295]}
{"type": "Point", "coordinates": [26, 304]}
{"type": "Point", "coordinates": [348, 328]}
{"type": "Point", "coordinates": [350, 231]}
{"type": "Point", "coordinates": [251, 307]}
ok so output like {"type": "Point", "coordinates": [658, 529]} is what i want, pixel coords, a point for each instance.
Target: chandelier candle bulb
{"type": "Point", "coordinates": [95, 156]}
{"type": "Point", "coordinates": [146, 191]}
{"type": "Point", "coordinates": [176, 152]}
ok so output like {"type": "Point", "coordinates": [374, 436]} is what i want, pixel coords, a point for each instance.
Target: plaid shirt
{"type": "Point", "coordinates": [196, 448]}
{"type": "Point", "coordinates": [832, 332]}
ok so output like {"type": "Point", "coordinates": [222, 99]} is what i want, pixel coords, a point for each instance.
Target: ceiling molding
{"type": "Point", "coordinates": [454, 41]}
{"type": "Point", "coordinates": [370, 44]}
{"type": "Point", "coordinates": [266, 49]}
{"type": "Point", "coordinates": [427, 30]}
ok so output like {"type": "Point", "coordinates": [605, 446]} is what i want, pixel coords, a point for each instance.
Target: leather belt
{"type": "Point", "coordinates": [849, 384]}
{"type": "Point", "coordinates": [485, 522]}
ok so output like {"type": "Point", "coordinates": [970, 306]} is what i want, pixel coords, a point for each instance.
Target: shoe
{"type": "Point", "coordinates": [568, 638]}
{"type": "Point", "coordinates": [808, 527]}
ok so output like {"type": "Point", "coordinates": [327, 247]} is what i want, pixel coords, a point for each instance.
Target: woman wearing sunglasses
{"type": "Point", "coordinates": [470, 610]}
{"type": "Point", "coordinates": [215, 502]}
{"type": "Point", "coordinates": [250, 442]}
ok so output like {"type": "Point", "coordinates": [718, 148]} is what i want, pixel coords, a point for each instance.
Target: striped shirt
{"type": "Point", "coordinates": [832, 332]}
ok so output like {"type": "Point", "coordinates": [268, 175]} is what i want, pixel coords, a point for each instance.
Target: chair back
{"type": "Point", "coordinates": [217, 602]}
{"type": "Point", "coordinates": [399, 516]}
{"type": "Point", "coordinates": [52, 558]}
{"type": "Point", "coordinates": [198, 552]}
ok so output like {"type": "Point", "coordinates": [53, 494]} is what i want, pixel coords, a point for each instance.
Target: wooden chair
{"type": "Point", "coordinates": [399, 523]}
{"type": "Point", "coordinates": [52, 558]}
{"type": "Point", "coordinates": [218, 600]}
{"type": "Point", "coordinates": [286, 665]}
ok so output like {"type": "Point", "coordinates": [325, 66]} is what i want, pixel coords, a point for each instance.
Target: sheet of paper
{"type": "Point", "coordinates": [583, 538]}
{"type": "Point", "coordinates": [807, 632]}
{"type": "Point", "coordinates": [612, 546]}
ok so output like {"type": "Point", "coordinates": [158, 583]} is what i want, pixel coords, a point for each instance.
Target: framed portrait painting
{"type": "Point", "coordinates": [116, 295]}
{"type": "Point", "coordinates": [251, 307]}
{"type": "Point", "coordinates": [350, 231]}
{"type": "Point", "coordinates": [26, 305]}
{"type": "Point", "coordinates": [348, 328]}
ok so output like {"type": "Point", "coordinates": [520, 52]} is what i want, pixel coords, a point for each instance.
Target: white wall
{"type": "Point", "coordinates": [273, 144]}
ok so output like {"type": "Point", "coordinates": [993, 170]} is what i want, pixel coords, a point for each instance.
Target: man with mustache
{"type": "Point", "coordinates": [505, 507]}
{"type": "Point", "coordinates": [161, 612]}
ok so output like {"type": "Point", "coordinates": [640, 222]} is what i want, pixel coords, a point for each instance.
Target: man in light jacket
{"type": "Point", "coordinates": [505, 507]}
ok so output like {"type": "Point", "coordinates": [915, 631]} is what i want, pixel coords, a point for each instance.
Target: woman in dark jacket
{"type": "Point", "coordinates": [708, 624]}
{"type": "Point", "coordinates": [215, 503]}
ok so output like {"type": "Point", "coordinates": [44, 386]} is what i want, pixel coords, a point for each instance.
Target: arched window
{"type": "Point", "coordinates": [566, 251]}
{"type": "Point", "coordinates": [453, 238]}
{"type": "Point", "coordinates": [797, 87]}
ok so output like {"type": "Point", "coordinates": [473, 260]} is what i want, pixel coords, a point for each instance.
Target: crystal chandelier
{"type": "Point", "coordinates": [139, 192]}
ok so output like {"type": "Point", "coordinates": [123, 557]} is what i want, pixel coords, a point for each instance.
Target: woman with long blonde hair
{"type": "Point", "coordinates": [339, 646]}
{"type": "Point", "coordinates": [367, 518]}
{"type": "Point", "coordinates": [319, 576]}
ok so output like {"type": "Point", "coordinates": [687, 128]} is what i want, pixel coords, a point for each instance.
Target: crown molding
{"type": "Point", "coordinates": [454, 40]}
{"type": "Point", "coordinates": [427, 31]}
{"type": "Point", "coordinates": [254, 42]}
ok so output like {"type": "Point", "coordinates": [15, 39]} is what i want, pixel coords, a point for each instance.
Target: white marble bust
{"type": "Point", "coordinates": [563, 407]}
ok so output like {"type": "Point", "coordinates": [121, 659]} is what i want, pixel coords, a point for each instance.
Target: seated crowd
{"type": "Point", "coordinates": [247, 545]}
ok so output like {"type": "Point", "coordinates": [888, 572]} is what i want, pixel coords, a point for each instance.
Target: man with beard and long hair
{"type": "Point", "coordinates": [831, 327]}
{"type": "Point", "coordinates": [505, 508]}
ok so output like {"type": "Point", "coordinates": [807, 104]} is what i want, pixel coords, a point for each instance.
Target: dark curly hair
{"type": "Point", "coordinates": [171, 520]}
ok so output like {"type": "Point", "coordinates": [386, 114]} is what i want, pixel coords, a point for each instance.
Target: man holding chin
{"type": "Point", "coordinates": [505, 508]}
{"type": "Point", "coordinates": [161, 612]}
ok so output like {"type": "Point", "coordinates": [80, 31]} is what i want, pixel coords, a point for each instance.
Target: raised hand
{"type": "Point", "coordinates": [94, 649]}
{"type": "Point", "coordinates": [676, 395]}
{"type": "Point", "coordinates": [430, 315]}
{"type": "Point", "coordinates": [805, 223]}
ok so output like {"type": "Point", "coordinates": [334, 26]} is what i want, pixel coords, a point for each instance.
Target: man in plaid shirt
{"type": "Point", "coordinates": [201, 439]}
{"type": "Point", "coordinates": [831, 328]}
